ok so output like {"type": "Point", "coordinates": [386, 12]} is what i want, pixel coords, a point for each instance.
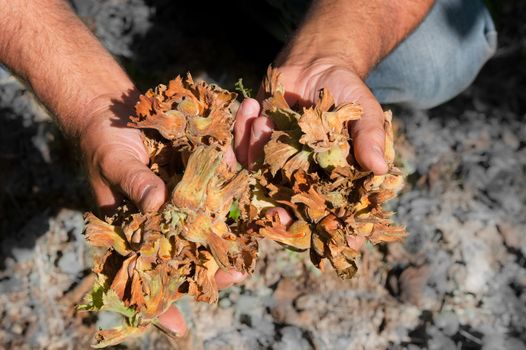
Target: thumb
{"type": "Point", "coordinates": [369, 137]}
{"type": "Point", "coordinates": [133, 178]}
{"type": "Point", "coordinates": [368, 132]}
{"type": "Point", "coordinates": [173, 321]}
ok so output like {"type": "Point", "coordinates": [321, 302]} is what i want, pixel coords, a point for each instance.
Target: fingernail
{"type": "Point", "coordinates": [256, 133]}
{"type": "Point", "coordinates": [262, 127]}
{"type": "Point", "coordinates": [378, 152]}
{"type": "Point", "coordinates": [172, 322]}
{"type": "Point", "coordinates": [145, 202]}
{"type": "Point", "coordinates": [248, 106]}
{"type": "Point", "coordinates": [381, 165]}
{"type": "Point", "coordinates": [237, 276]}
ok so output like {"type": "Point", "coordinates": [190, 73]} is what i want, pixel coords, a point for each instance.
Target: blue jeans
{"type": "Point", "coordinates": [435, 63]}
{"type": "Point", "coordinates": [439, 59]}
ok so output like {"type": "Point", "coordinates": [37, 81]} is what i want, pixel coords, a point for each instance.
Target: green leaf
{"type": "Point", "coordinates": [239, 87]}
{"type": "Point", "coordinates": [234, 212]}
{"type": "Point", "coordinates": [114, 336]}
{"type": "Point", "coordinates": [94, 300]}
{"type": "Point", "coordinates": [113, 303]}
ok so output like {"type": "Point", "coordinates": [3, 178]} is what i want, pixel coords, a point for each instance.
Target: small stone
{"type": "Point", "coordinates": [17, 329]}
{"type": "Point", "coordinates": [70, 263]}
{"type": "Point", "coordinates": [413, 347]}
{"type": "Point", "coordinates": [493, 341]}
{"type": "Point", "coordinates": [108, 320]}
{"type": "Point", "coordinates": [291, 339]}
{"type": "Point", "coordinates": [439, 341]}
{"type": "Point", "coordinates": [249, 305]}
{"type": "Point", "coordinates": [512, 237]}
{"type": "Point", "coordinates": [447, 322]}
{"type": "Point", "coordinates": [225, 303]}
{"type": "Point", "coordinates": [510, 139]}
{"type": "Point", "coordinates": [23, 255]}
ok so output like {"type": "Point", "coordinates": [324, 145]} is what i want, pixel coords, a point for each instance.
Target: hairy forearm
{"type": "Point", "coordinates": [43, 42]}
{"type": "Point", "coordinates": [357, 32]}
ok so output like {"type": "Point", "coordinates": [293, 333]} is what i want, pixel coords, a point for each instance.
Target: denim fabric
{"type": "Point", "coordinates": [435, 63]}
{"type": "Point", "coordinates": [440, 58]}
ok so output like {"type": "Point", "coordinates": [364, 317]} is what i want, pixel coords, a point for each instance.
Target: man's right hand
{"type": "Point", "coordinates": [302, 83]}
{"type": "Point", "coordinates": [116, 161]}
{"type": "Point", "coordinates": [44, 43]}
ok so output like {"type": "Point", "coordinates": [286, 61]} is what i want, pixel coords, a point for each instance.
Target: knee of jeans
{"type": "Point", "coordinates": [433, 66]}
{"type": "Point", "coordinates": [446, 73]}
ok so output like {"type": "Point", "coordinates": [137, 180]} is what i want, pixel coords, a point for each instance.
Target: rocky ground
{"type": "Point", "coordinates": [457, 282]}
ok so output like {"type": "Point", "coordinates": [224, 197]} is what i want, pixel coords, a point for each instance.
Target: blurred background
{"type": "Point", "coordinates": [457, 282]}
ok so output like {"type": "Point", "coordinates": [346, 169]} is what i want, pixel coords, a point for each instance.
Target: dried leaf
{"type": "Point", "coordinates": [109, 337]}
{"type": "Point", "coordinates": [123, 277]}
{"type": "Point", "coordinates": [147, 261]}
{"type": "Point", "coordinates": [112, 302]}
{"type": "Point", "coordinates": [315, 135]}
{"type": "Point", "coordinates": [279, 150]}
{"type": "Point", "coordinates": [297, 236]}
{"type": "Point", "coordinates": [101, 234]}
{"type": "Point", "coordinates": [190, 192]}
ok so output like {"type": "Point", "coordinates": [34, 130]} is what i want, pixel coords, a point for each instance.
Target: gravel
{"type": "Point", "coordinates": [458, 280]}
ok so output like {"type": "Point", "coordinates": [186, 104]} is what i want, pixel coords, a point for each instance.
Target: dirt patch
{"type": "Point", "coordinates": [458, 281]}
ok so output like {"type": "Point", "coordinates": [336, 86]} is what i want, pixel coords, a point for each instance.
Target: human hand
{"type": "Point", "coordinates": [116, 159]}
{"type": "Point", "coordinates": [116, 162]}
{"type": "Point", "coordinates": [302, 84]}
{"type": "Point", "coordinates": [338, 58]}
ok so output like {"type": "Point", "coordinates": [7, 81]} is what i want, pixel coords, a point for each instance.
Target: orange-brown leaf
{"type": "Point", "coordinates": [279, 150]}
{"type": "Point", "coordinates": [298, 235]}
{"type": "Point", "coordinates": [101, 234]}
{"type": "Point", "coordinates": [123, 277]}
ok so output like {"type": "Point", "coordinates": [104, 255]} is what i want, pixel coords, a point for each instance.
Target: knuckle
{"type": "Point", "coordinates": [135, 182]}
{"type": "Point", "coordinates": [105, 159]}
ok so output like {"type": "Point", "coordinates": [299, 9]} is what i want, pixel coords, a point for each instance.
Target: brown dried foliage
{"type": "Point", "coordinates": [145, 262]}
{"type": "Point", "coordinates": [309, 169]}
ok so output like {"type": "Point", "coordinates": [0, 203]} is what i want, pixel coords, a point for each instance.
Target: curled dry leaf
{"type": "Point", "coordinates": [338, 204]}
{"type": "Point", "coordinates": [146, 261]}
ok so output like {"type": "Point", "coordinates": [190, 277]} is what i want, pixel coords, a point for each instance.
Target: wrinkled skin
{"type": "Point", "coordinates": [116, 162]}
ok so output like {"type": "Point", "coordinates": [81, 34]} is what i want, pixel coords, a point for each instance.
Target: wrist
{"type": "Point", "coordinates": [117, 106]}
{"type": "Point", "coordinates": [303, 81]}
{"type": "Point", "coordinates": [68, 69]}
{"type": "Point", "coordinates": [309, 49]}
{"type": "Point", "coordinates": [357, 33]}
